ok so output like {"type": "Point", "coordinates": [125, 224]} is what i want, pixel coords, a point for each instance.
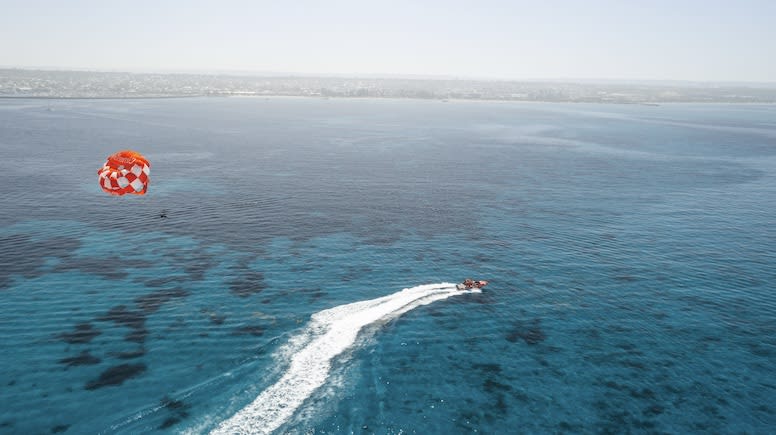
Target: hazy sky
{"type": "Point", "coordinates": [615, 39]}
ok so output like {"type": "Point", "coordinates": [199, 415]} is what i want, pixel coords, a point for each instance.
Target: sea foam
{"type": "Point", "coordinates": [329, 333]}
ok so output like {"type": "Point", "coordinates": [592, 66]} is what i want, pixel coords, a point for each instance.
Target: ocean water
{"type": "Point", "coordinates": [302, 281]}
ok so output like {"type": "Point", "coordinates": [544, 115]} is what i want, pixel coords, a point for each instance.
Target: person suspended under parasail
{"type": "Point", "coordinates": [125, 172]}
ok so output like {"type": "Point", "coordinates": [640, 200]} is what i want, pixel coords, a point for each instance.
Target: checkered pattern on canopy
{"type": "Point", "coordinates": [125, 172]}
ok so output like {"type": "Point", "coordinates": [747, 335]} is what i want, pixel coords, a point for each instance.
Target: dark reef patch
{"type": "Point", "coordinates": [178, 411]}
{"type": "Point", "coordinates": [500, 406]}
{"type": "Point", "coordinates": [612, 417]}
{"type": "Point", "coordinates": [249, 283]}
{"type": "Point", "coordinates": [630, 347]}
{"type": "Point", "coordinates": [761, 350]}
{"type": "Point", "coordinates": [566, 427]}
{"type": "Point", "coordinates": [591, 333]}
{"type": "Point", "coordinates": [162, 282]}
{"type": "Point", "coordinates": [130, 354]}
{"type": "Point", "coordinates": [530, 333]}
{"type": "Point", "coordinates": [487, 367]}
{"type": "Point", "coordinates": [23, 256]}
{"type": "Point", "coordinates": [121, 315]}
{"type": "Point", "coordinates": [653, 411]}
{"type": "Point", "coordinates": [644, 393]}
{"type": "Point", "coordinates": [195, 265]}
{"type": "Point", "coordinates": [109, 268]}
{"type": "Point", "coordinates": [173, 404]}
{"type": "Point", "coordinates": [493, 386]}
{"type": "Point", "coordinates": [151, 302]}
{"type": "Point", "coordinates": [60, 428]}
{"type": "Point", "coordinates": [116, 375]}
{"type": "Point", "coordinates": [169, 422]}
{"type": "Point", "coordinates": [83, 359]}
{"type": "Point", "coordinates": [137, 335]}
{"type": "Point", "coordinates": [83, 333]}
{"type": "Point", "coordinates": [254, 330]}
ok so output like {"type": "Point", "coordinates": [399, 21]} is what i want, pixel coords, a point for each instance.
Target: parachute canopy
{"type": "Point", "coordinates": [125, 172]}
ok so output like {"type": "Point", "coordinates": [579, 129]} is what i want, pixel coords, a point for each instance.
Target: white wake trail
{"type": "Point", "coordinates": [329, 333]}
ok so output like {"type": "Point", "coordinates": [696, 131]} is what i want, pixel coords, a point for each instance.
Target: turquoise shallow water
{"type": "Point", "coordinates": [630, 251]}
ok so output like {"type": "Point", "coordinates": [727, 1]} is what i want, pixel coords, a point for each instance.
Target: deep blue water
{"type": "Point", "coordinates": [631, 252]}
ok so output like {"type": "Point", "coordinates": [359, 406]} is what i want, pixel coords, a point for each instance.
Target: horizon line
{"type": "Point", "coordinates": [387, 76]}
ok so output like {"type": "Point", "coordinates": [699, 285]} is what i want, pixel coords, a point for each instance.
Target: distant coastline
{"type": "Point", "coordinates": [469, 100]}
{"type": "Point", "coordinates": [53, 84]}
{"type": "Point", "coordinates": [136, 97]}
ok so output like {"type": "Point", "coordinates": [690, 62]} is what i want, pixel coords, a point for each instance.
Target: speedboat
{"type": "Point", "coordinates": [469, 284]}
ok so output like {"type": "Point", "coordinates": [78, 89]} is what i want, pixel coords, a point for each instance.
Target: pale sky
{"type": "Point", "coordinates": [712, 40]}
